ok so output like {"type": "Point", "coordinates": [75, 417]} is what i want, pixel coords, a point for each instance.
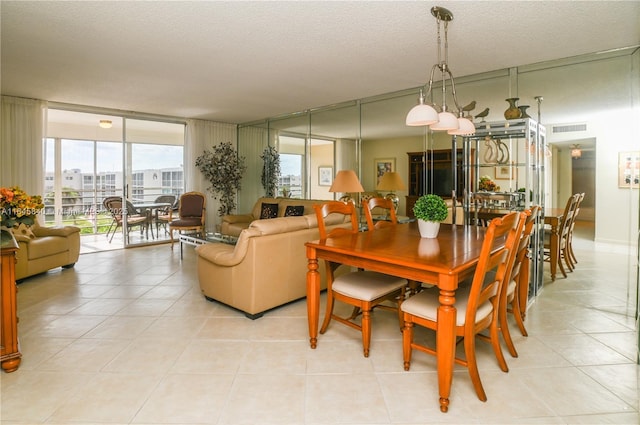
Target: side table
{"type": "Point", "coordinates": [10, 356]}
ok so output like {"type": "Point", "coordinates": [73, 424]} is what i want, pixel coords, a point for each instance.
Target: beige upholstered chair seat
{"type": "Point", "coordinates": [41, 247]}
{"type": "Point", "coordinates": [425, 304]}
{"type": "Point", "coordinates": [367, 285]}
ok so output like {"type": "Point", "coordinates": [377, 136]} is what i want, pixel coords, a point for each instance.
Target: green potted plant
{"type": "Point", "coordinates": [430, 210]}
{"type": "Point", "coordinates": [223, 169]}
{"type": "Point", "coordinates": [270, 171]}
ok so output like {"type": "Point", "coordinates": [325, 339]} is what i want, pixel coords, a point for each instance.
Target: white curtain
{"type": "Point", "coordinates": [202, 135]}
{"type": "Point", "coordinates": [251, 144]}
{"type": "Point", "coordinates": [22, 122]}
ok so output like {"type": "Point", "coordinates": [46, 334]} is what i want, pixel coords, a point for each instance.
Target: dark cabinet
{"type": "Point", "coordinates": [433, 172]}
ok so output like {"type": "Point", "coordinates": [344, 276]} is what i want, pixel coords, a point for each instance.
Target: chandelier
{"type": "Point", "coordinates": [438, 117]}
{"type": "Point", "coordinates": [576, 152]}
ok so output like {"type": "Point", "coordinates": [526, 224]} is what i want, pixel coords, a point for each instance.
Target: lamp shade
{"type": "Point", "coordinates": [446, 121]}
{"type": "Point", "coordinates": [105, 123]}
{"type": "Point", "coordinates": [391, 181]}
{"type": "Point", "coordinates": [465, 128]}
{"type": "Point", "coordinates": [346, 181]}
{"type": "Point", "coordinates": [421, 114]}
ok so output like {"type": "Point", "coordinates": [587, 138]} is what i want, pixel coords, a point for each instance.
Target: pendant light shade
{"type": "Point", "coordinates": [421, 115]}
{"type": "Point", "coordinates": [465, 128]}
{"type": "Point", "coordinates": [446, 121]}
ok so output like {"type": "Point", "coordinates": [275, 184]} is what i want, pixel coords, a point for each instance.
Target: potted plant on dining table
{"type": "Point", "coordinates": [430, 210]}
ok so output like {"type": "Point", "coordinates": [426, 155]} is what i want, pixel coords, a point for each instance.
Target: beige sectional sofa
{"type": "Point", "coordinates": [46, 248]}
{"type": "Point", "coordinates": [236, 223]}
{"type": "Point", "coordinates": [265, 269]}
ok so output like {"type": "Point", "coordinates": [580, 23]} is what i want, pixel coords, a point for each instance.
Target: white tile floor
{"type": "Point", "coordinates": [126, 338]}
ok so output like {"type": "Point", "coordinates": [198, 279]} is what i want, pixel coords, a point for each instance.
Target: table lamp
{"type": "Point", "coordinates": [391, 182]}
{"type": "Point", "coordinates": [346, 181]}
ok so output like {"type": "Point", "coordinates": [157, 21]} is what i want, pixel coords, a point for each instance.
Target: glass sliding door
{"type": "Point", "coordinates": [137, 161]}
{"type": "Point", "coordinates": [153, 174]}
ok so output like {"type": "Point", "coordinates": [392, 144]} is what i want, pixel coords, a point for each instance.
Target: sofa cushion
{"type": "Point", "coordinates": [23, 230]}
{"type": "Point", "coordinates": [49, 245]}
{"type": "Point", "coordinates": [280, 225]}
{"type": "Point", "coordinates": [294, 210]}
{"type": "Point", "coordinates": [257, 207]}
{"type": "Point", "coordinates": [268, 210]}
{"type": "Point", "coordinates": [307, 205]}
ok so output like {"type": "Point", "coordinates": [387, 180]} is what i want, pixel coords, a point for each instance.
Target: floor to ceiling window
{"type": "Point", "coordinates": [89, 157]}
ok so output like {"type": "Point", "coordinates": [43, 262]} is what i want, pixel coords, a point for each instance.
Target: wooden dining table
{"type": "Point", "coordinates": [552, 217]}
{"type": "Point", "coordinates": [400, 251]}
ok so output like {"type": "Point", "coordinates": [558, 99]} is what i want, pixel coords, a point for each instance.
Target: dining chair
{"type": "Point", "coordinates": [164, 215]}
{"type": "Point", "coordinates": [476, 303]}
{"type": "Point", "coordinates": [570, 253]}
{"type": "Point", "coordinates": [563, 234]}
{"type": "Point", "coordinates": [191, 214]}
{"type": "Point", "coordinates": [516, 286]}
{"type": "Point", "coordinates": [361, 289]}
{"type": "Point", "coordinates": [134, 218]}
{"type": "Point", "coordinates": [378, 204]}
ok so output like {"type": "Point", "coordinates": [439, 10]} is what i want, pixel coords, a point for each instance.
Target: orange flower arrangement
{"type": "Point", "coordinates": [487, 184]}
{"type": "Point", "coordinates": [17, 207]}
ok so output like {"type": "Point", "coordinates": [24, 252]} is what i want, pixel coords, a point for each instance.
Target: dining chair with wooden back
{"type": "Point", "coordinates": [191, 214]}
{"type": "Point", "coordinates": [134, 218]}
{"type": "Point", "coordinates": [476, 303]}
{"type": "Point", "coordinates": [570, 253]}
{"type": "Point", "coordinates": [563, 235]}
{"type": "Point", "coordinates": [377, 204]}
{"type": "Point", "coordinates": [361, 289]}
{"type": "Point", "coordinates": [517, 285]}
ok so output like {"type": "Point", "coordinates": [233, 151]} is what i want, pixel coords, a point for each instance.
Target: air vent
{"type": "Point", "coordinates": [568, 128]}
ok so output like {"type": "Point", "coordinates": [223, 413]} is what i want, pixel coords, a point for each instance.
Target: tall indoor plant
{"type": "Point", "coordinates": [270, 170]}
{"type": "Point", "coordinates": [223, 168]}
{"type": "Point", "coordinates": [430, 210]}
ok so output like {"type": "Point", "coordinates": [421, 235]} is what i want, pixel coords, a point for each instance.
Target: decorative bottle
{"type": "Point", "coordinates": [523, 111]}
{"type": "Point", "coordinates": [513, 112]}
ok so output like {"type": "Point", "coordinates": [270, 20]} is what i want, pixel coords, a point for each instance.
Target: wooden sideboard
{"type": "Point", "coordinates": [10, 356]}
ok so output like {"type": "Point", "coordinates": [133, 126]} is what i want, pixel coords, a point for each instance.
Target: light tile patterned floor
{"type": "Point", "coordinates": [126, 338]}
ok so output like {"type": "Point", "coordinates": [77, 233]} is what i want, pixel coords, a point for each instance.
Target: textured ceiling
{"type": "Point", "coordinates": [243, 61]}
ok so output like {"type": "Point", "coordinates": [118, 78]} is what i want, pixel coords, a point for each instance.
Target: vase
{"type": "Point", "coordinates": [523, 111]}
{"type": "Point", "coordinates": [512, 111]}
{"type": "Point", "coordinates": [428, 229]}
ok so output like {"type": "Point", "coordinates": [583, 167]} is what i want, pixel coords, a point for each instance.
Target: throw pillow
{"type": "Point", "coordinates": [23, 230]}
{"type": "Point", "coordinates": [268, 211]}
{"type": "Point", "coordinates": [294, 210]}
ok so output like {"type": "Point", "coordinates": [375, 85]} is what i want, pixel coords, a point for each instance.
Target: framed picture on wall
{"type": "Point", "coordinates": [325, 175]}
{"type": "Point", "coordinates": [629, 169]}
{"type": "Point", "coordinates": [383, 165]}
{"type": "Point", "coordinates": [505, 172]}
